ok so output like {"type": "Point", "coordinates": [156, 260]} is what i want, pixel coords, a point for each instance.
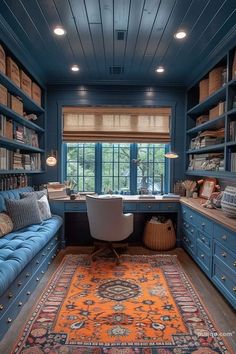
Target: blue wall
{"type": "Point", "coordinates": [61, 95]}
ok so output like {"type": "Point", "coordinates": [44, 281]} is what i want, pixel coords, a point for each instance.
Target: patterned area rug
{"type": "Point", "coordinates": [144, 305]}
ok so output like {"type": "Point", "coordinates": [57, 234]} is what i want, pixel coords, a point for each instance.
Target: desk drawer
{"type": "Point", "coordinates": [225, 236]}
{"type": "Point", "coordinates": [129, 206]}
{"type": "Point", "coordinates": [168, 207]}
{"type": "Point", "coordinates": [155, 206]}
{"type": "Point", "coordinates": [73, 206]}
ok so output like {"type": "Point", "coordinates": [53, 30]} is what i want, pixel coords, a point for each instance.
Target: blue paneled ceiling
{"type": "Point", "coordinates": [92, 31]}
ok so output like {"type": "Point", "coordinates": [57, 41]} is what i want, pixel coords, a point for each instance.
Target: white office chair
{"type": "Point", "coordinates": [107, 222]}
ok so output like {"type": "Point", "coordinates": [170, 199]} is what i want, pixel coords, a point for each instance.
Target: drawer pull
{"type": "Point", "coordinates": [203, 224]}
{"type": "Point", "coordinates": [9, 320]}
{"type": "Point", "coordinates": [223, 278]}
{"type": "Point", "coordinates": [191, 216]}
{"type": "Point", "coordinates": [42, 272]}
{"type": "Point", "coordinates": [27, 275]}
{"type": "Point", "coordinates": [10, 295]}
{"type": "Point", "coordinates": [20, 303]}
{"type": "Point", "coordinates": [203, 239]}
{"type": "Point", "coordinates": [28, 293]}
{"type": "Point", "coordinates": [234, 288]}
{"type": "Point", "coordinates": [192, 230]}
{"type": "Point", "coordinates": [224, 237]}
{"type": "Point", "coordinates": [49, 263]}
{"type": "Point", "coordinates": [223, 254]}
{"type": "Point", "coordinates": [202, 256]}
{"type": "Point", "coordinates": [1, 307]}
{"type": "Point", "coordinates": [149, 206]}
{"type": "Point", "coordinates": [184, 212]}
{"type": "Point", "coordinates": [37, 279]}
{"type": "Point", "coordinates": [19, 283]}
{"type": "Point", "coordinates": [37, 262]}
{"type": "Point", "coordinates": [234, 264]}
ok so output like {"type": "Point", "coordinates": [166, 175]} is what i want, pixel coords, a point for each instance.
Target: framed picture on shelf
{"type": "Point", "coordinates": [207, 188]}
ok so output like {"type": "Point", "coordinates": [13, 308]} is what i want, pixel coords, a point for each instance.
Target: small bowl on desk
{"type": "Point", "coordinates": [72, 196]}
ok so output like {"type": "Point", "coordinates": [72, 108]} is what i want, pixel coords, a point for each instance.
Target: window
{"type": "Point", "coordinates": [115, 167]}
{"type": "Point", "coordinates": [118, 167]}
{"type": "Point", "coordinates": [80, 165]}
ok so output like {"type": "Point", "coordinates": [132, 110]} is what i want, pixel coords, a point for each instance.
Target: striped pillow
{"type": "Point", "coordinates": [23, 212]}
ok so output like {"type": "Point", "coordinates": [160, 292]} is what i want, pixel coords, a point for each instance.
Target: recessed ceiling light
{"type": "Point", "coordinates": [160, 69]}
{"type": "Point", "coordinates": [75, 68]}
{"type": "Point", "coordinates": [180, 34]}
{"type": "Point", "coordinates": [59, 31]}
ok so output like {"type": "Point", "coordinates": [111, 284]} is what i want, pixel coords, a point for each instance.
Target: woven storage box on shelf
{"type": "Point", "coordinates": [159, 236]}
{"type": "Point", "coordinates": [203, 89]}
{"type": "Point", "coordinates": [215, 79]}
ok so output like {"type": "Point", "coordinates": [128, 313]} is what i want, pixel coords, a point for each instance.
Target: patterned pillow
{"type": "Point", "coordinates": [44, 208]}
{"type": "Point", "coordinates": [23, 212]}
{"type": "Point", "coordinates": [38, 194]}
{"type": "Point", "coordinates": [6, 224]}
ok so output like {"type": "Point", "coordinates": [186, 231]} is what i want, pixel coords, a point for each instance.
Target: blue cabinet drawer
{"type": "Point", "coordinates": [189, 238]}
{"type": "Point", "coordinates": [168, 207]}
{"type": "Point", "coordinates": [73, 206]}
{"type": "Point", "coordinates": [129, 206]}
{"type": "Point", "coordinates": [149, 206]}
{"type": "Point", "coordinates": [205, 225]}
{"type": "Point", "coordinates": [203, 257]}
{"type": "Point", "coordinates": [225, 236]}
{"type": "Point", "coordinates": [204, 239]}
{"type": "Point", "coordinates": [189, 228]}
{"type": "Point", "coordinates": [225, 280]}
{"type": "Point", "coordinates": [190, 216]}
{"type": "Point", "coordinates": [225, 255]}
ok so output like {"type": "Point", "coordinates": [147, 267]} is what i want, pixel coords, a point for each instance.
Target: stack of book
{"type": "Point", "coordinates": [17, 161]}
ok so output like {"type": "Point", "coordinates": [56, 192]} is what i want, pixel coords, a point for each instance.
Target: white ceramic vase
{"type": "Point", "coordinates": [228, 202]}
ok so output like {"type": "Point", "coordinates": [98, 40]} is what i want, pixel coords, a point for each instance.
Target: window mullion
{"type": "Point", "coordinates": [133, 168]}
{"type": "Point", "coordinates": [98, 168]}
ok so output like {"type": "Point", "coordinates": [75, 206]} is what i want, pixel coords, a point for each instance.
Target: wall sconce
{"type": "Point", "coordinates": [52, 158]}
{"type": "Point", "coordinates": [171, 155]}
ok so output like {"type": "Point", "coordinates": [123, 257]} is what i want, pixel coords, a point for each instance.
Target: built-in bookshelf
{"type": "Point", "coordinates": [211, 121]}
{"type": "Point", "coordinates": [22, 134]}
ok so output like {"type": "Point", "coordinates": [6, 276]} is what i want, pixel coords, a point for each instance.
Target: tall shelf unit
{"type": "Point", "coordinates": [23, 137]}
{"type": "Point", "coordinates": [211, 122]}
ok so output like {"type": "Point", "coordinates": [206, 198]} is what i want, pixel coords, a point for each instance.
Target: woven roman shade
{"type": "Point", "coordinates": [116, 124]}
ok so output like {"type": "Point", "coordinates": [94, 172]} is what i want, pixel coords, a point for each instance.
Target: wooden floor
{"type": "Point", "coordinates": [220, 311]}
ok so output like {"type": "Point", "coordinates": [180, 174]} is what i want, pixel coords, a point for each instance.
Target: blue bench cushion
{"type": "Point", "coordinates": [19, 247]}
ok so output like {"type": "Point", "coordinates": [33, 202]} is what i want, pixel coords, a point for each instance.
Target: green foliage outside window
{"type": "Point", "coordinates": [112, 164]}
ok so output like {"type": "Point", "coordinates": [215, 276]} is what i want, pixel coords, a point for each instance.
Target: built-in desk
{"type": "Point", "coordinates": [76, 228]}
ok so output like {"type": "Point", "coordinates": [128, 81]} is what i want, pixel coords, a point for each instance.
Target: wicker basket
{"type": "Point", "coordinates": [159, 236]}
{"type": "Point", "coordinates": [215, 79]}
{"type": "Point", "coordinates": [203, 89]}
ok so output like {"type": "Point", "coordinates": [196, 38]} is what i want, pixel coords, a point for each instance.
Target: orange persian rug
{"type": "Point", "coordinates": [144, 305]}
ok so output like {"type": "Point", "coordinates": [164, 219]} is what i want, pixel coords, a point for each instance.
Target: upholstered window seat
{"type": "Point", "coordinates": [25, 255]}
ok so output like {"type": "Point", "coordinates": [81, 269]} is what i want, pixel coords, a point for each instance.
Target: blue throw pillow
{"type": "Point", "coordinates": [23, 212]}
